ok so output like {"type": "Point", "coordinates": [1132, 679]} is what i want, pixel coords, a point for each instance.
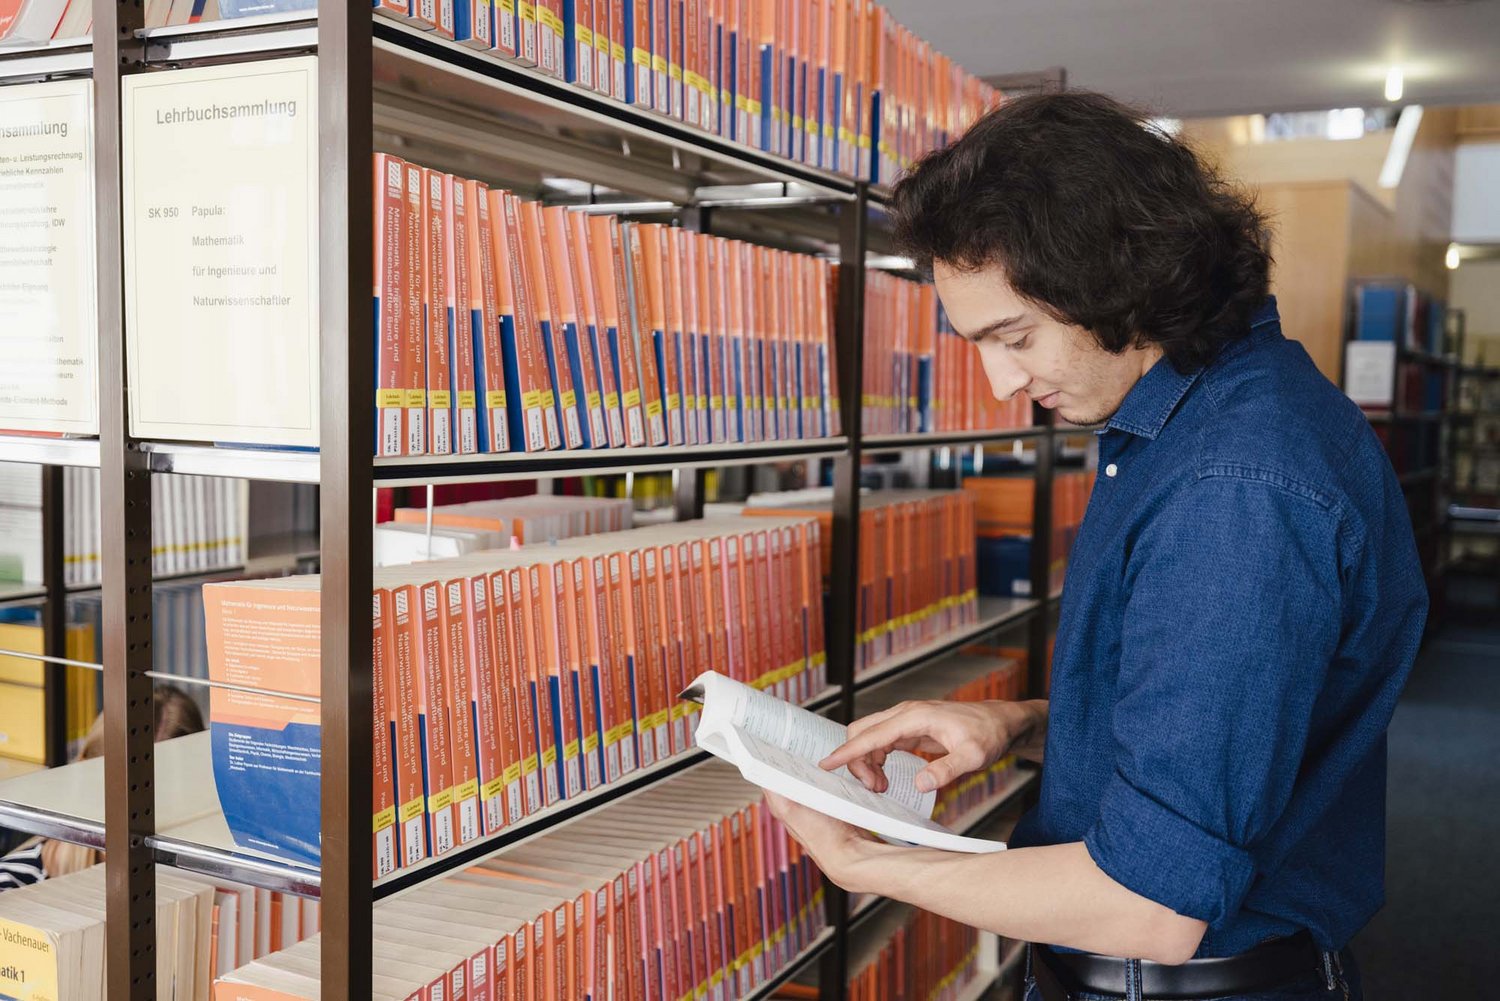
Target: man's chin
{"type": "Point", "coordinates": [1081, 419]}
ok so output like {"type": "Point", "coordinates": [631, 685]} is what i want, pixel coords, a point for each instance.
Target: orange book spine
{"type": "Point", "coordinates": [693, 350]}
{"type": "Point", "coordinates": [711, 331]}
{"type": "Point", "coordinates": [562, 672]}
{"type": "Point", "coordinates": [439, 387]}
{"type": "Point", "coordinates": [550, 37]}
{"type": "Point", "coordinates": [547, 317]}
{"type": "Point", "coordinates": [734, 610]}
{"type": "Point", "coordinates": [540, 656]}
{"type": "Point", "coordinates": [754, 618]}
{"type": "Point", "coordinates": [390, 288]}
{"type": "Point", "coordinates": [633, 741]}
{"type": "Point", "coordinates": [525, 354]}
{"type": "Point", "coordinates": [661, 48]}
{"type": "Point", "coordinates": [692, 62]}
{"type": "Point", "coordinates": [591, 283]}
{"type": "Point", "coordinates": [488, 715]}
{"type": "Point", "coordinates": [644, 317]}
{"type": "Point", "coordinates": [737, 393]}
{"type": "Point", "coordinates": [619, 64]}
{"type": "Point", "coordinates": [568, 308]}
{"type": "Point", "coordinates": [383, 793]}
{"type": "Point", "coordinates": [406, 739]}
{"type": "Point", "coordinates": [413, 330]}
{"type": "Point", "coordinates": [717, 591]}
{"type": "Point", "coordinates": [533, 775]}
{"type": "Point", "coordinates": [672, 629]}
{"type": "Point", "coordinates": [633, 599]}
{"type": "Point", "coordinates": [672, 356]}
{"type": "Point", "coordinates": [694, 622]}
{"type": "Point", "coordinates": [616, 727]}
{"type": "Point", "coordinates": [533, 315]}
{"type": "Point", "coordinates": [454, 622]}
{"type": "Point", "coordinates": [503, 682]}
{"type": "Point", "coordinates": [461, 321]}
{"type": "Point", "coordinates": [492, 311]}
{"type": "Point", "coordinates": [777, 609]}
{"type": "Point", "coordinates": [583, 642]}
{"type": "Point", "coordinates": [433, 704]}
{"type": "Point", "coordinates": [614, 302]}
{"type": "Point", "coordinates": [598, 51]}
{"type": "Point", "coordinates": [656, 643]}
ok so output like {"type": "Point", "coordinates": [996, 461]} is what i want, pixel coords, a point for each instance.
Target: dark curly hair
{"type": "Point", "coordinates": [1098, 217]}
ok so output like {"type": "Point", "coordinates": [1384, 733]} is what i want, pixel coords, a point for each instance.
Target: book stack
{"type": "Point", "coordinates": [920, 376]}
{"type": "Point", "coordinates": [531, 519]}
{"type": "Point", "coordinates": [916, 563]}
{"type": "Point", "coordinates": [23, 687]}
{"type": "Point", "coordinates": [507, 682]}
{"type": "Point", "coordinates": [833, 84]}
{"type": "Point", "coordinates": [970, 677]}
{"type": "Point", "coordinates": [503, 325]}
{"type": "Point", "coordinates": [910, 953]}
{"type": "Point", "coordinates": [688, 889]}
{"type": "Point", "coordinates": [198, 524]}
{"type": "Point", "coordinates": [53, 933]}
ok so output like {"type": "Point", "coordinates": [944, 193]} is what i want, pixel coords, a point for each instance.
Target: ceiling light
{"type": "Point", "coordinates": [1451, 259]}
{"type": "Point", "coordinates": [1394, 84]}
{"type": "Point", "coordinates": [1400, 148]}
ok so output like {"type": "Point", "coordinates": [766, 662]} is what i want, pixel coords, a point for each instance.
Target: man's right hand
{"type": "Point", "coordinates": [965, 737]}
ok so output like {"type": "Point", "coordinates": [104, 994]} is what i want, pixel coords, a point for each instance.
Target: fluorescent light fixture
{"type": "Point", "coordinates": [1346, 123]}
{"type": "Point", "coordinates": [1400, 149]}
{"type": "Point", "coordinates": [1451, 258]}
{"type": "Point", "coordinates": [1394, 83]}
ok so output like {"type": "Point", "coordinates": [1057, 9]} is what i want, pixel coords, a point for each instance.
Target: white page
{"type": "Point", "coordinates": [777, 746]}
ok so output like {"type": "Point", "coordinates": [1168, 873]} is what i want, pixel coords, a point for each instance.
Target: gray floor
{"type": "Point", "coordinates": [1439, 934]}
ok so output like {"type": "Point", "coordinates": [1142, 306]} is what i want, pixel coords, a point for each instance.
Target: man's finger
{"type": "Point", "coordinates": [937, 774]}
{"type": "Point", "coordinates": [879, 737]}
{"type": "Point", "coordinates": [869, 773]}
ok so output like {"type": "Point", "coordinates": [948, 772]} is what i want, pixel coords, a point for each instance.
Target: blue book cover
{"type": "Point", "coordinates": [580, 399]}
{"type": "Point", "coordinates": [254, 8]}
{"type": "Point", "coordinates": [514, 411]}
{"type": "Point", "coordinates": [550, 351]}
{"type": "Point", "coordinates": [474, 23]}
{"type": "Point", "coordinates": [1379, 312]}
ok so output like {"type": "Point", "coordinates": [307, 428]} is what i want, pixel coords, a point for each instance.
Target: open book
{"type": "Point", "coordinates": [777, 746]}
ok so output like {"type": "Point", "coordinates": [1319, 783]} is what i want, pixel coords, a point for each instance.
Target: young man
{"type": "Point", "coordinates": [1244, 600]}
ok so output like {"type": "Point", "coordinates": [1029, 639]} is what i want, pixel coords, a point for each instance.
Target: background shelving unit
{"type": "Point", "coordinates": [383, 85]}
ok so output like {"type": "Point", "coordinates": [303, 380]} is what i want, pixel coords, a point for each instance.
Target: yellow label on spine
{"type": "Point", "coordinates": [617, 50]}
{"type": "Point", "coordinates": [570, 751]}
{"type": "Point", "coordinates": [659, 63]}
{"type": "Point", "coordinates": [653, 409]}
{"type": "Point", "coordinates": [716, 403]}
{"type": "Point", "coordinates": [569, 400]}
{"type": "Point", "coordinates": [385, 818]}
{"type": "Point", "coordinates": [585, 36]}
{"type": "Point", "coordinates": [512, 773]}
{"type": "Point", "coordinates": [440, 801]}
{"type": "Point", "coordinates": [591, 743]}
{"type": "Point", "coordinates": [632, 397]}
{"type": "Point", "coordinates": [593, 400]}
{"type": "Point", "coordinates": [673, 401]}
{"type": "Point", "coordinates": [440, 399]}
{"type": "Point", "coordinates": [532, 399]}
{"type": "Point", "coordinates": [466, 399]}
{"type": "Point", "coordinates": [410, 809]}
{"type": "Point", "coordinates": [529, 764]}
{"type": "Point", "coordinates": [493, 398]}
{"type": "Point", "coordinates": [416, 397]}
{"type": "Point", "coordinates": [528, 13]}
{"type": "Point", "coordinates": [549, 757]}
{"type": "Point", "coordinates": [390, 398]}
{"type": "Point", "coordinates": [611, 400]}
{"type": "Point", "coordinates": [675, 72]}
{"type": "Point", "coordinates": [492, 788]}
{"type": "Point", "coordinates": [508, 7]}
{"type": "Point", "coordinates": [468, 790]}
{"type": "Point", "coordinates": [640, 56]}
{"type": "Point", "coordinates": [753, 106]}
{"type": "Point", "coordinates": [548, 400]}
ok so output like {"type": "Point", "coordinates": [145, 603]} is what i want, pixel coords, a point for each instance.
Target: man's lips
{"type": "Point", "coordinates": [1049, 401]}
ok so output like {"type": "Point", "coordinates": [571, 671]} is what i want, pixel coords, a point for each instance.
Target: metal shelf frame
{"type": "Point", "coordinates": [377, 78]}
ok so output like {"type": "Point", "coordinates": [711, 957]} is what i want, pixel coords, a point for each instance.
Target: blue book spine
{"type": "Point", "coordinates": [875, 137]}
{"type": "Point", "coordinates": [611, 414]}
{"type": "Point", "coordinates": [684, 414]}
{"type": "Point", "coordinates": [736, 392]}
{"type": "Point", "coordinates": [841, 132]}
{"type": "Point", "coordinates": [924, 394]}
{"type": "Point", "coordinates": [767, 97]}
{"type": "Point", "coordinates": [824, 120]}
{"type": "Point", "coordinates": [580, 398]}
{"type": "Point", "coordinates": [732, 84]}
{"type": "Point", "coordinates": [478, 32]}
{"type": "Point", "coordinates": [799, 399]}
{"type": "Point", "coordinates": [551, 354]}
{"type": "Point", "coordinates": [514, 412]}
{"type": "Point", "coordinates": [570, 42]}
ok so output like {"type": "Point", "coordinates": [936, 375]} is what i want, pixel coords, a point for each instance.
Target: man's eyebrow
{"type": "Point", "coordinates": [999, 326]}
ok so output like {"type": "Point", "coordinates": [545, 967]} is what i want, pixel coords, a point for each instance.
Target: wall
{"type": "Point", "coordinates": [1476, 290]}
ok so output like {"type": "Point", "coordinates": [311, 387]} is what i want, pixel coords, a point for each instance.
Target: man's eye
{"type": "Point", "coordinates": [1018, 345]}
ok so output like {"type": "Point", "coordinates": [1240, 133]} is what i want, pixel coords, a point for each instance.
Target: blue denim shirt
{"type": "Point", "coordinates": [1243, 605]}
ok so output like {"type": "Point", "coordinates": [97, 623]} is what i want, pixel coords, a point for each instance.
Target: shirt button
{"type": "Point", "coordinates": [1111, 469]}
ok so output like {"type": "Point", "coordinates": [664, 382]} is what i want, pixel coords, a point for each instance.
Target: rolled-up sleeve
{"type": "Point", "coordinates": [1232, 619]}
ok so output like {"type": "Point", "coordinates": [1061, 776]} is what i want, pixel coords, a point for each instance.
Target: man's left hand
{"type": "Point", "coordinates": [844, 853]}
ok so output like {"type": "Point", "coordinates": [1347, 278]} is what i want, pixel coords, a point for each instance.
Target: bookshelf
{"type": "Point", "coordinates": [381, 82]}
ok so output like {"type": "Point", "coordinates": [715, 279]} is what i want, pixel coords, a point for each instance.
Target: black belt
{"type": "Point", "coordinates": [1268, 965]}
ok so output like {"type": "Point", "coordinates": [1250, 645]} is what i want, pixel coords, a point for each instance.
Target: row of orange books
{"type": "Point", "coordinates": [916, 563]}
{"type": "Point", "coordinates": [508, 681]}
{"type": "Point", "coordinates": [912, 954]}
{"type": "Point", "coordinates": [505, 325]}
{"type": "Point", "coordinates": [1005, 504]}
{"type": "Point", "coordinates": [834, 84]}
{"type": "Point", "coordinates": [690, 889]}
{"type": "Point", "coordinates": [920, 376]}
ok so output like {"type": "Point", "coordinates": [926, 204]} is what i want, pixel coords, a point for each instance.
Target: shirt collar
{"type": "Point", "coordinates": [1154, 398]}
